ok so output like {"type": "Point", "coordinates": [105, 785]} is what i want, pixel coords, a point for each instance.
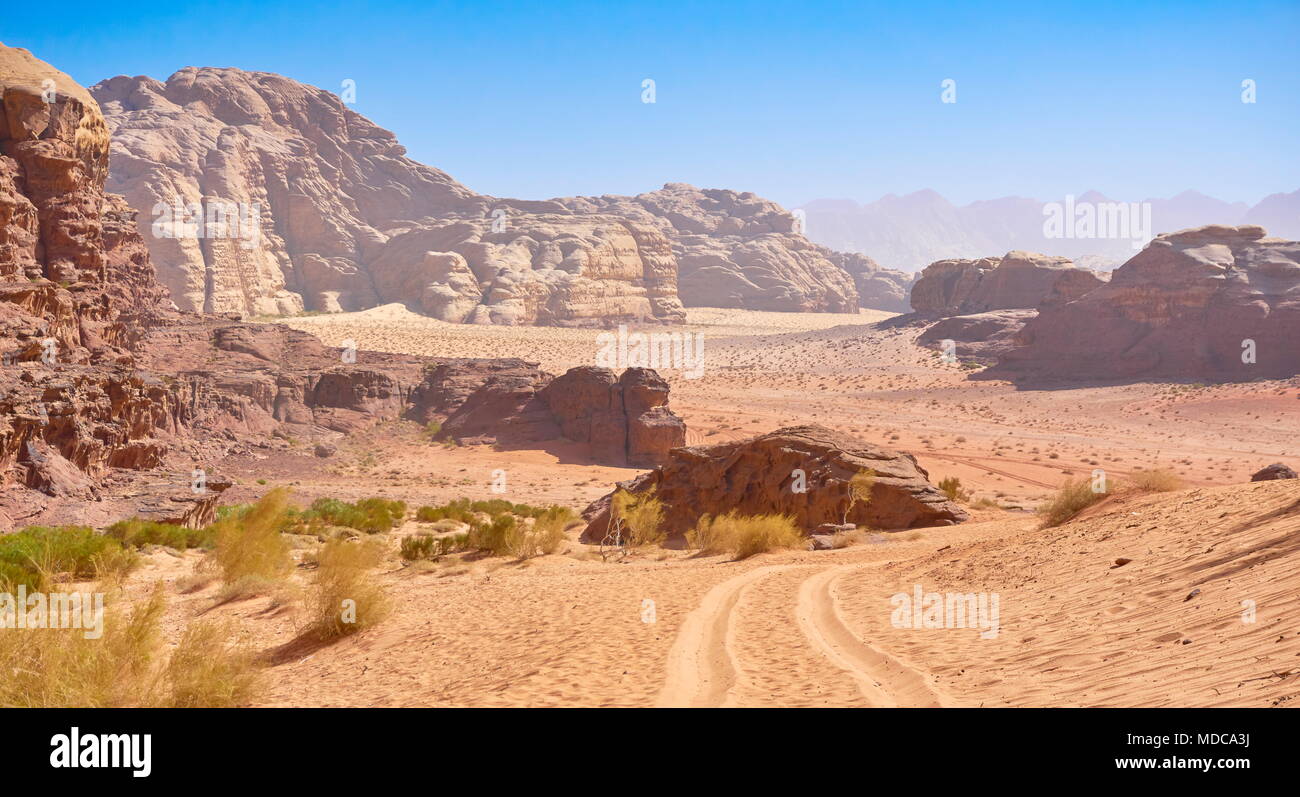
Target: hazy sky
{"type": "Point", "coordinates": [794, 101]}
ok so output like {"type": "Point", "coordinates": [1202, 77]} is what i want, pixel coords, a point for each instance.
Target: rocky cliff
{"type": "Point", "coordinates": [1210, 303]}
{"type": "Point", "coordinates": [109, 395]}
{"type": "Point", "coordinates": [344, 221]}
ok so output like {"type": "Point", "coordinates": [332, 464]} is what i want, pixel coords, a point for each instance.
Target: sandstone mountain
{"type": "Point", "coordinates": [110, 396]}
{"type": "Point", "coordinates": [1213, 303]}
{"type": "Point", "coordinates": [347, 221]}
{"type": "Point", "coordinates": [1017, 280]}
{"type": "Point", "coordinates": [758, 476]}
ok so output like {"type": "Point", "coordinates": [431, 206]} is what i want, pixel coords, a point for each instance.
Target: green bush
{"type": "Point", "coordinates": [32, 554]}
{"type": "Point", "coordinates": [370, 515]}
{"type": "Point", "coordinates": [136, 533]}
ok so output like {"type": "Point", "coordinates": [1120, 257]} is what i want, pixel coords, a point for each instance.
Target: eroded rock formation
{"type": "Point", "coordinates": [1211, 303]}
{"type": "Point", "coordinates": [625, 419]}
{"type": "Point", "coordinates": [110, 397]}
{"type": "Point", "coordinates": [346, 221]}
{"type": "Point", "coordinates": [758, 476]}
{"type": "Point", "coordinates": [343, 220]}
{"type": "Point", "coordinates": [1017, 280]}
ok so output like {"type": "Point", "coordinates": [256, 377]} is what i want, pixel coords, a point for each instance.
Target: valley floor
{"type": "Point", "coordinates": [1202, 613]}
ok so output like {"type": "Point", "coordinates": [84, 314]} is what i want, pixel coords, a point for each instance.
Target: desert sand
{"type": "Point", "coordinates": [1183, 598]}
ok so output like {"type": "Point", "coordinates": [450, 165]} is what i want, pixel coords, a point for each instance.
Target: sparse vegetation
{"type": "Point", "coordinates": [344, 599]}
{"type": "Point", "coordinates": [48, 668]}
{"type": "Point", "coordinates": [744, 535]}
{"type": "Point", "coordinates": [1072, 498]}
{"type": "Point", "coordinates": [137, 533]}
{"type": "Point", "coordinates": [250, 553]}
{"type": "Point", "coordinates": [639, 517]}
{"type": "Point", "coordinates": [859, 488]}
{"type": "Point", "coordinates": [369, 515]}
{"type": "Point", "coordinates": [951, 487]}
{"type": "Point", "coordinates": [427, 546]}
{"type": "Point", "coordinates": [32, 556]}
{"type": "Point", "coordinates": [211, 667]}
{"type": "Point", "coordinates": [1154, 481]}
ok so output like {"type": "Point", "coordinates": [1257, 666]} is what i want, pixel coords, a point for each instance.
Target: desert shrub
{"type": "Point", "coordinates": [1154, 481]}
{"type": "Point", "coordinates": [211, 667]}
{"type": "Point", "coordinates": [249, 550]}
{"type": "Point", "coordinates": [708, 536]}
{"type": "Point", "coordinates": [549, 528]}
{"type": "Point", "coordinates": [951, 487]}
{"type": "Point", "coordinates": [499, 537]}
{"type": "Point", "coordinates": [843, 539]}
{"type": "Point", "coordinates": [427, 546]}
{"type": "Point", "coordinates": [47, 668]}
{"type": "Point", "coordinates": [32, 555]}
{"type": "Point", "coordinates": [137, 532]}
{"type": "Point", "coordinates": [744, 535]}
{"type": "Point", "coordinates": [344, 599]}
{"type": "Point", "coordinates": [370, 515]}
{"type": "Point", "coordinates": [421, 546]}
{"type": "Point", "coordinates": [640, 517]}
{"type": "Point", "coordinates": [1070, 499]}
{"type": "Point", "coordinates": [458, 510]}
{"type": "Point", "coordinates": [544, 536]}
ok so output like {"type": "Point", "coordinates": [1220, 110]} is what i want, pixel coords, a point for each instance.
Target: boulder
{"type": "Point", "coordinates": [1275, 471]}
{"type": "Point", "coordinates": [760, 475]}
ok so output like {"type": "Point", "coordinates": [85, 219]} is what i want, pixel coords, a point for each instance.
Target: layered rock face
{"type": "Point", "coordinates": [1017, 280]}
{"type": "Point", "coordinates": [345, 221]}
{"type": "Point", "coordinates": [759, 476]}
{"type": "Point", "coordinates": [736, 249]}
{"type": "Point", "coordinates": [1213, 303]}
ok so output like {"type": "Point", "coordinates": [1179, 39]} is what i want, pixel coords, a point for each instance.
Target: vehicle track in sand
{"type": "Point", "coordinates": [882, 679]}
{"type": "Point", "coordinates": [703, 667]}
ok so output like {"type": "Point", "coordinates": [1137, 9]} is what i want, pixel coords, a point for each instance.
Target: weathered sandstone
{"type": "Point", "coordinates": [757, 476]}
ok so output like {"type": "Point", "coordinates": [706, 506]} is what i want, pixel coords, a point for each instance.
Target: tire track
{"type": "Point", "coordinates": [883, 680]}
{"type": "Point", "coordinates": [702, 666]}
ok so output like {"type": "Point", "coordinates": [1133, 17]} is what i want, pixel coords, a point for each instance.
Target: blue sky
{"type": "Point", "coordinates": [794, 101]}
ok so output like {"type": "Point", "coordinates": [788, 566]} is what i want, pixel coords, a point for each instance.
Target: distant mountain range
{"type": "Point", "coordinates": [910, 232]}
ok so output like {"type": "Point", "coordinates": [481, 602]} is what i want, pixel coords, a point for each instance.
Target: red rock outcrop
{"type": "Point", "coordinates": [625, 419]}
{"type": "Point", "coordinates": [1212, 303]}
{"type": "Point", "coordinates": [1017, 280]}
{"type": "Point", "coordinates": [110, 396]}
{"type": "Point", "coordinates": [758, 476]}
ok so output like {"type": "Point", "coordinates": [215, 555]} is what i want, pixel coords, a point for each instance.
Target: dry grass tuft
{"type": "Point", "coordinates": [344, 598]}
{"type": "Point", "coordinates": [124, 666]}
{"type": "Point", "coordinates": [1072, 498]}
{"type": "Point", "coordinates": [1154, 481]}
{"type": "Point", "coordinates": [250, 552]}
{"type": "Point", "coordinates": [744, 535]}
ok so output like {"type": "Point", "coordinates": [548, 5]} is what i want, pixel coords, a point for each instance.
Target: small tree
{"type": "Point", "coordinates": [635, 520]}
{"type": "Point", "coordinates": [859, 488]}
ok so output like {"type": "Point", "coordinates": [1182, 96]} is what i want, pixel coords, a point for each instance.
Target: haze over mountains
{"type": "Point", "coordinates": [911, 231]}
